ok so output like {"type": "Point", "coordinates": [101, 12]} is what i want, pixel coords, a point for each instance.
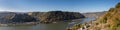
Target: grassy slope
{"type": "Point", "coordinates": [109, 21]}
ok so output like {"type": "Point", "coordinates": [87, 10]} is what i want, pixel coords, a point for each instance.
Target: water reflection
{"type": "Point", "coordinates": [55, 26]}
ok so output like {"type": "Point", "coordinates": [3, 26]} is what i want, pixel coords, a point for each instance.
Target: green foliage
{"type": "Point", "coordinates": [54, 16]}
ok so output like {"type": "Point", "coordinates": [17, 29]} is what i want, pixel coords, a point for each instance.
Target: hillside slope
{"type": "Point", "coordinates": [109, 21]}
{"type": "Point", "coordinates": [12, 17]}
{"type": "Point", "coordinates": [55, 16]}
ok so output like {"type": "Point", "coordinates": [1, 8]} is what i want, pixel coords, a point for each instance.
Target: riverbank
{"type": "Point", "coordinates": [83, 26]}
{"type": "Point", "coordinates": [86, 25]}
{"type": "Point", "coordinates": [51, 26]}
{"type": "Point", "coordinates": [20, 24]}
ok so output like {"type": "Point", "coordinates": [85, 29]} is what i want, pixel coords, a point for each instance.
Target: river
{"type": "Point", "coordinates": [52, 26]}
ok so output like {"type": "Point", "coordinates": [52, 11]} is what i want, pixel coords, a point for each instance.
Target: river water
{"type": "Point", "coordinates": [53, 26]}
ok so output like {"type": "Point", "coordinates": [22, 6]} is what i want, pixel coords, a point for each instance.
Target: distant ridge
{"type": "Point", "coordinates": [43, 17]}
{"type": "Point", "coordinates": [54, 16]}
{"type": "Point", "coordinates": [12, 17]}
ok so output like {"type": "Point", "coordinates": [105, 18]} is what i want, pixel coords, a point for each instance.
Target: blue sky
{"type": "Point", "coordinates": [54, 5]}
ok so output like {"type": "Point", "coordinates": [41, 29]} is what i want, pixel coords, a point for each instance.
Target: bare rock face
{"type": "Point", "coordinates": [11, 17]}
{"type": "Point", "coordinates": [53, 16]}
